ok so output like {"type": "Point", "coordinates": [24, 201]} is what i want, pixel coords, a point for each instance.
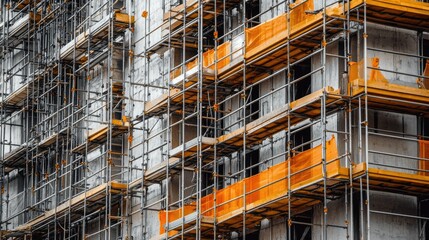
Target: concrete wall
{"type": "Point", "coordinates": [274, 229]}
{"type": "Point", "coordinates": [14, 204]}
{"type": "Point", "coordinates": [381, 226]}
{"type": "Point", "coordinates": [401, 125]}
{"type": "Point", "coordinates": [385, 226]}
{"type": "Point", "coordinates": [152, 71]}
{"type": "Point", "coordinates": [336, 218]}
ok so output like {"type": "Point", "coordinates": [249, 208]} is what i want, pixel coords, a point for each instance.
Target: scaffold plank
{"type": "Point", "coordinates": [174, 18]}
{"type": "Point", "coordinates": [409, 14]}
{"type": "Point", "coordinates": [190, 147]}
{"type": "Point", "coordinates": [392, 180]}
{"type": "Point", "coordinates": [77, 48]}
{"type": "Point", "coordinates": [267, 125]}
{"type": "Point", "coordinates": [52, 139]}
{"type": "Point", "coordinates": [17, 97]}
{"type": "Point", "coordinates": [156, 173]}
{"type": "Point", "coordinates": [23, 3]}
{"type": "Point", "coordinates": [99, 135]}
{"type": "Point", "coordinates": [94, 194]}
{"type": "Point", "coordinates": [392, 97]}
{"type": "Point", "coordinates": [15, 158]}
{"type": "Point", "coordinates": [266, 192]}
{"type": "Point", "coordinates": [159, 104]}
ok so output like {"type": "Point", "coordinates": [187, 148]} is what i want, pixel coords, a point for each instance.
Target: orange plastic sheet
{"type": "Point", "coordinates": [375, 75]}
{"type": "Point", "coordinates": [269, 33]}
{"type": "Point", "coordinates": [173, 215]}
{"type": "Point", "coordinates": [424, 82]}
{"type": "Point", "coordinates": [264, 187]}
{"type": "Point", "coordinates": [223, 58]}
{"type": "Point", "coordinates": [223, 52]}
{"type": "Point", "coordinates": [424, 154]}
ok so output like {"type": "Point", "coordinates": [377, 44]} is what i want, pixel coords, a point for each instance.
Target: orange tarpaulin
{"type": "Point", "coordinates": [266, 35]}
{"type": "Point", "coordinates": [374, 75]}
{"type": "Point", "coordinates": [269, 33]}
{"type": "Point", "coordinates": [424, 154]}
{"type": "Point", "coordinates": [223, 59]}
{"type": "Point", "coordinates": [263, 187]}
{"type": "Point", "coordinates": [424, 82]}
{"type": "Point", "coordinates": [173, 215]}
{"type": "Point", "coordinates": [223, 51]}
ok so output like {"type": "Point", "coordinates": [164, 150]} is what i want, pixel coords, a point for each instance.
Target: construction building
{"type": "Point", "coordinates": [214, 119]}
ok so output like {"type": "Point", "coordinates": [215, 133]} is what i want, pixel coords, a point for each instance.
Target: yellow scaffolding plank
{"type": "Point", "coordinates": [99, 135]}
{"type": "Point", "coordinates": [78, 46]}
{"type": "Point", "coordinates": [16, 98]}
{"type": "Point", "coordinates": [403, 13]}
{"type": "Point", "coordinates": [393, 181]}
{"type": "Point", "coordinates": [387, 96]}
{"type": "Point", "coordinates": [174, 18]}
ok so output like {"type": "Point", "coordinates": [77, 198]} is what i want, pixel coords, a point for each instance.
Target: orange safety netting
{"type": "Point", "coordinates": [424, 154]}
{"type": "Point", "coordinates": [223, 51]}
{"type": "Point", "coordinates": [374, 75]}
{"type": "Point", "coordinates": [266, 186]}
{"type": "Point", "coordinates": [173, 215]}
{"type": "Point", "coordinates": [222, 56]}
{"type": "Point", "coordinates": [269, 33]}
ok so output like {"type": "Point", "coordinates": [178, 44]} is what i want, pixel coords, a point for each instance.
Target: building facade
{"type": "Point", "coordinates": [214, 119]}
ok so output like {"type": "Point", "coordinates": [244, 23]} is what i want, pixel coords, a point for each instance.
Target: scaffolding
{"type": "Point", "coordinates": [63, 125]}
{"type": "Point", "coordinates": [211, 118]}
{"type": "Point", "coordinates": [209, 113]}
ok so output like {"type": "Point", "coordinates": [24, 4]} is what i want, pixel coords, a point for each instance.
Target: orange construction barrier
{"type": "Point", "coordinates": [264, 187]}
{"type": "Point", "coordinates": [424, 154]}
{"type": "Point", "coordinates": [269, 33]}
{"type": "Point", "coordinates": [375, 75]}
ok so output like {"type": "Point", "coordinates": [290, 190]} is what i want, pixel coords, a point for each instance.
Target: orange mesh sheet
{"type": "Point", "coordinates": [266, 186]}
{"type": "Point", "coordinates": [375, 75]}
{"type": "Point", "coordinates": [173, 215]}
{"type": "Point", "coordinates": [273, 31]}
{"type": "Point", "coordinates": [223, 51]}
{"type": "Point", "coordinates": [176, 72]}
{"type": "Point", "coordinates": [223, 58]}
{"type": "Point", "coordinates": [424, 154]}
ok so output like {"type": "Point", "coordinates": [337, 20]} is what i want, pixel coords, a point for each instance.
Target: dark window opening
{"type": "Point", "coordinates": [425, 48]}
{"type": "Point", "coordinates": [207, 182]}
{"type": "Point", "coordinates": [208, 124]}
{"type": "Point", "coordinates": [252, 159]}
{"type": "Point", "coordinates": [356, 213]}
{"type": "Point", "coordinates": [252, 109]}
{"type": "Point", "coordinates": [252, 10]}
{"type": "Point", "coordinates": [209, 32]}
{"type": "Point", "coordinates": [220, 179]}
{"type": "Point", "coordinates": [302, 231]}
{"type": "Point", "coordinates": [303, 87]}
{"type": "Point", "coordinates": [300, 139]}
{"type": "Point", "coordinates": [253, 235]}
{"type": "Point", "coordinates": [424, 212]}
{"type": "Point", "coordinates": [425, 128]}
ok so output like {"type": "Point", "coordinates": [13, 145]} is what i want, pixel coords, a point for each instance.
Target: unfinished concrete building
{"type": "Point", "coordinates": [214, 119]}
